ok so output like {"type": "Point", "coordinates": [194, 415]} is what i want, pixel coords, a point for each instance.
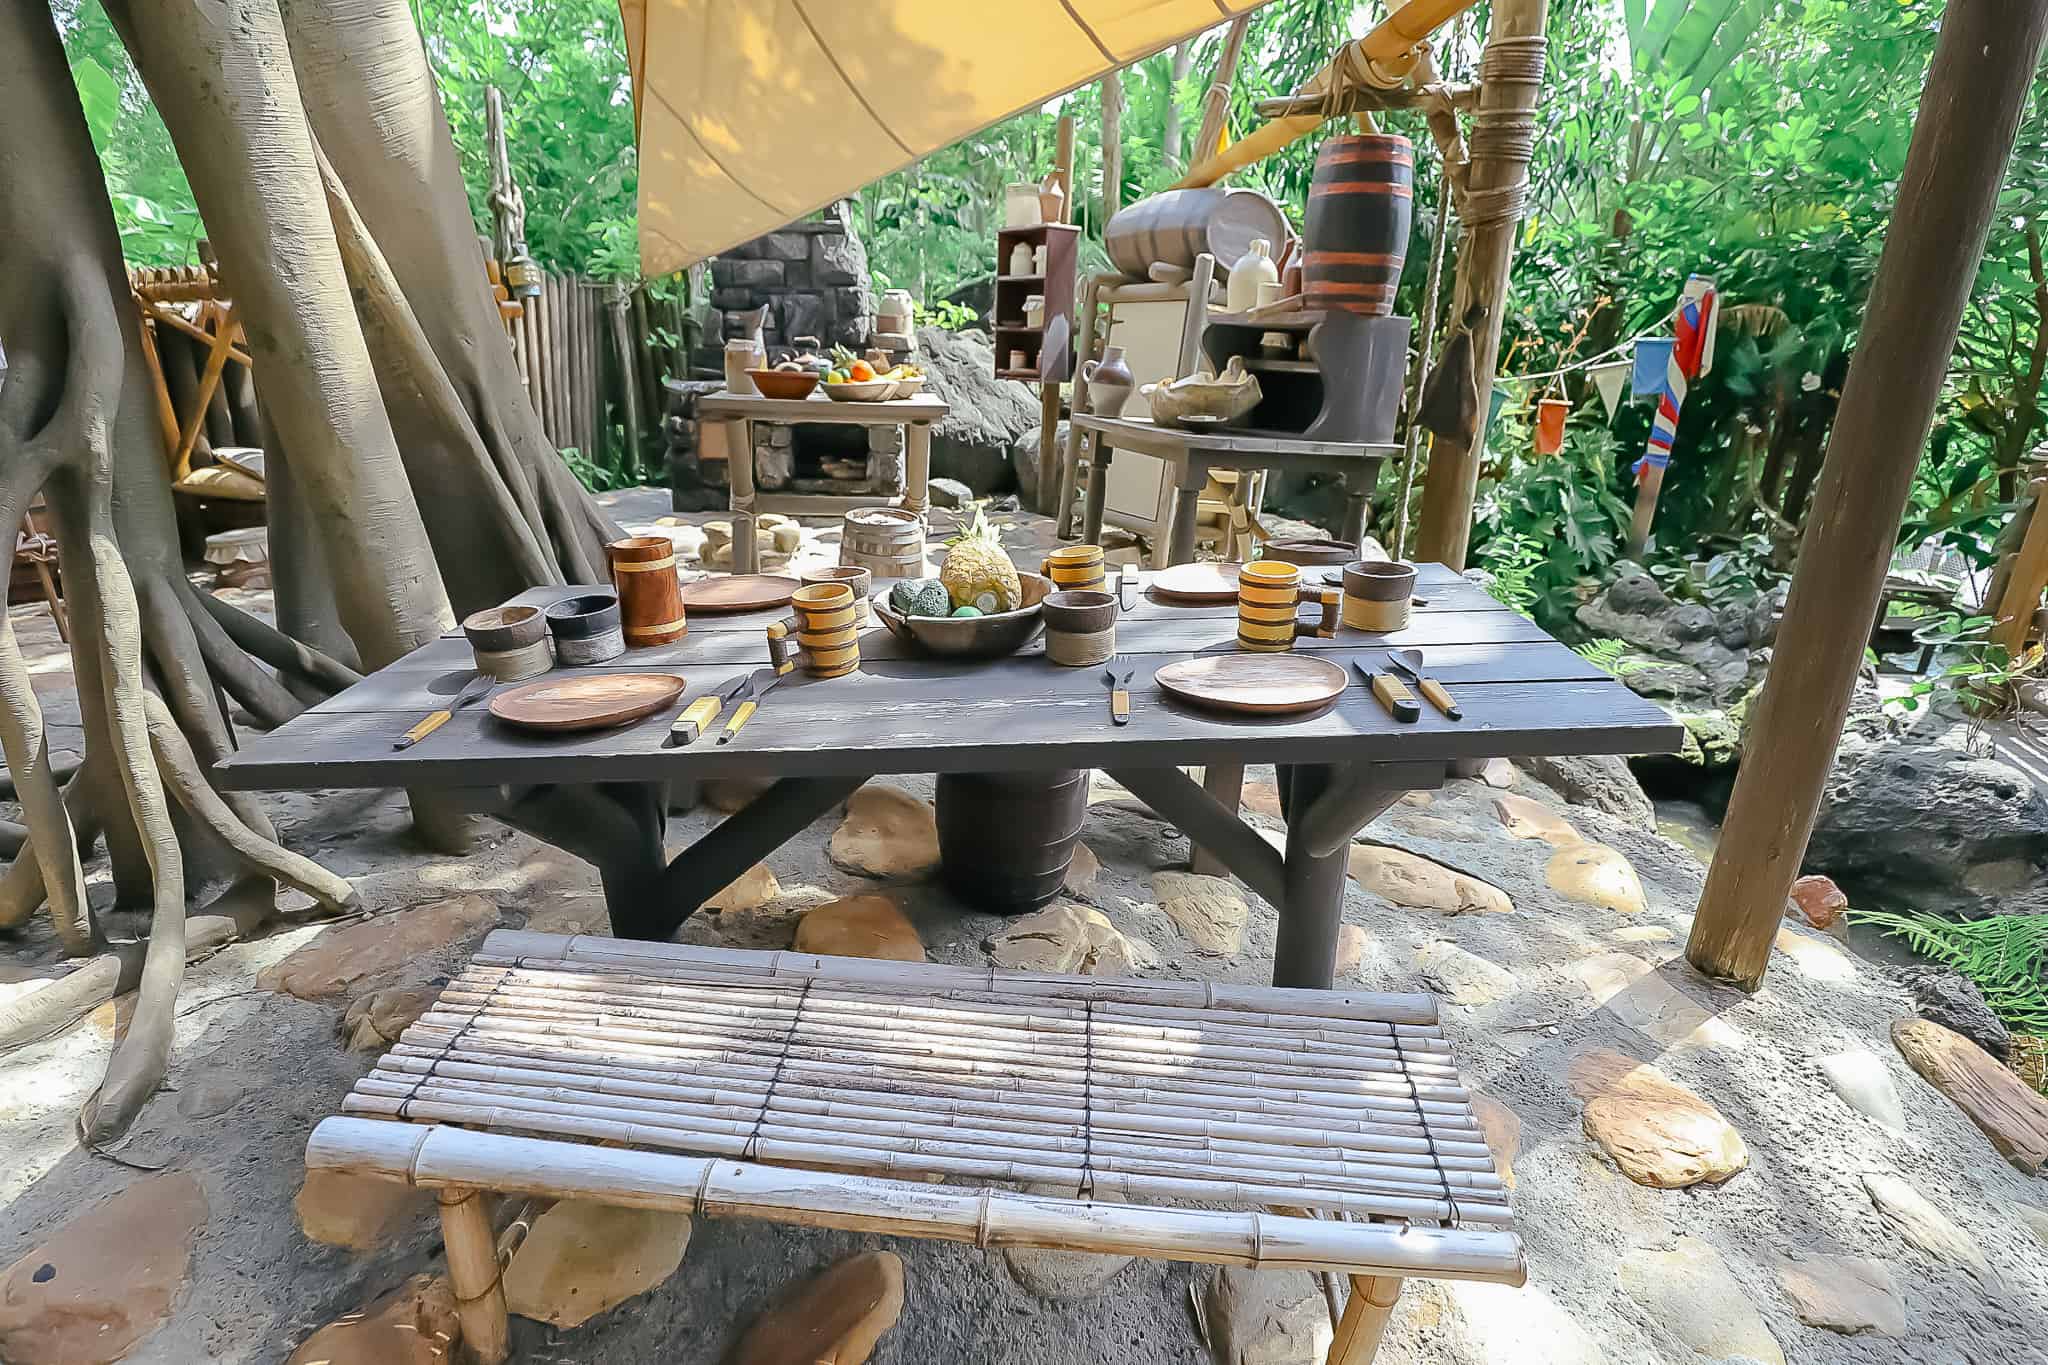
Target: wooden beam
{"type": "Point", "coordinates": [1112, 144]}
{"type": "Point", "coordinates": [1370, 99]}
{"type": "Point", "coordinates": [2013, 613]}
{"type": "Point", "coordinates": [1977, 89]}
{"type": "Point", "coordinates": [1216, 101]}
{"type": "Point", "coordinates": [1049, 394]}
{"type": "Point", "coordinates": [1491, 212]}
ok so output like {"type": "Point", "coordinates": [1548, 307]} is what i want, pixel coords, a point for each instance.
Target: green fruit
{"type": "Point", "coordinates": [920, 597]}
{"type": "Point", "coordinates": [967, 611]}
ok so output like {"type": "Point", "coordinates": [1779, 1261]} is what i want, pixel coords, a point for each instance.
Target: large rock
{"type": "Point", "coordinates": [1921, 818]}
{"type": "Point", "coordinates": [582, 1258]}
{"type": "Point", "coordinates": [415, 1324]}
{"type": "Point", "coordinates": [2004, 1107]}
{"type": "Point", "coordinates": [860, 926]}
{"type": "Point", "coordinates": [1697, 656]}
{"type": "Point", "coordinates": [1069, 938]}
{"type": "Point", "coordinates": [1846, 1294]}
{"type": "Point", "coordinates": [1817, 901]}
{"type": "Point", "coordinates": [375, 1020]}
{"type": "Point", "coordinates": [372, 951]}
{"type": "Point", "coordinates": [834, 1318]}
{"type": "Point", "coordinates": [1602, 781]}
{"type": "Point", "coordinates": [1526, 819]}
{"type": "Point", "coordinates": [1266, 1317]}
{"type": "Point", "coordinates": [1864, 1084]}
{"type": "Point", "coordinates": [987, 415]}
{"type": "Point", "coordinates": [1643, 998]}
{"type": "Point", "coordinates": [1461, 977]}
{"type": "Point", "coordinates": [1024, 459]}
{"type": "Point", "coordinates": [887, 832]}
{"type": "Point", "coordinates": [1594, 874]}
{"type": "Point", "coordinates": [1208, 910]}
{"type": "Point", "coordinates": [752, 889]}
{"type": "Point", "coordinates": [338, 1209]}
{"type": "Point", "coordinates": [1658, 1132]}
{"type": "Point", "coordinates": [1922, 1224]}
{"type": "Point", "coordinates": [1952, 1000]}
{"type": "Point", "coordinates": [106, 1279]}
{"type": "Point", "coordinates": [1689, 1292]}
{"type": "Point", "coordinates": [1411, 880]}
{"type": "Point", "coordinates": [1503, 1129]}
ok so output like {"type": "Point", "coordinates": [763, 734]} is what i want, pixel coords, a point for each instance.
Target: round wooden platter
{"type": "Point", "coordinates": [1205, 582]}
{"type": "Point", "coordinates": [590, 701]}
{"type": "Point", "coordinates": [734, 592]}
{"type": "Point", "coordinates": [1258, 684]}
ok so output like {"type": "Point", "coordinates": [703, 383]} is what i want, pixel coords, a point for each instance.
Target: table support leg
{"type": "Point", "coordinates": [473, 1274]}
{"type": "Point", "coordinates": [1365, 1319]}
{"type": "Point", "coordinates": [719, 858]}
{"type": "Point", "coordinates": [617, 828]}
{"type": "Point", "coordinates": [1325, 807]}
{"type": "Point", "coordinates": [739, 471]}
{"type": "Point", "coordinates": [1225, 782]}
{"type": "Point", "coordinates": [1187, 495]}
{"type": "Point", "coordinates": [1098, 452]}
{"type": "Point", "coordinates": [1195, 813]}
{"type": "Point", "coordinates": [917, 467]}
{"type": "Point", "coordinates": [1357, 501]}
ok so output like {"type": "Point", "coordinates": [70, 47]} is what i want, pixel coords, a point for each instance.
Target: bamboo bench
{"type": "Point", "coordinates": [830, 1092]}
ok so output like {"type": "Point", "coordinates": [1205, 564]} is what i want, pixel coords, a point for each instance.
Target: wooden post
{"type": "Point", "coordinates": [617, 306]}
{"type": "Point", "coordinates": [1216, 102]}
{"type": "Point", "coordinates": [1112, 144]}
{"type": "Point", "coordinates": [1977, 88]}
{"type": "Point", "coordinates": [1503, 137]}
{"type": "Point", "coordinates": [1364, 1323]}
{"type": "Point", "coordinates": [473, 1274]}
{"type": "Point", "coordinates": [2023, 576]}
{"type": "Point", "coordinates": [1049, 394]}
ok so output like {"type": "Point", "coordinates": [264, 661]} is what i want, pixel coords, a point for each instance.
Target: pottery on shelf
{"type": "Point", "coordinates": [1252, 269]}
{"type": "Point", "coordinates": [1020, 259]}
{"type": "Point", "coordinates": [1022, 206]}
{"type": "Point", "coordinates": [1109, 383]}
{"type": "Point", "coordinates": [743, 354]}
{"type": "Point", "coordinates": [1052, 200]}
{"type": "Point", "coordinates": [1209, 399]}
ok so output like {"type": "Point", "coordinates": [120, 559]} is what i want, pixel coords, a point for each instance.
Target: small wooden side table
{"type": "Point", "coordinates": [739, 412]}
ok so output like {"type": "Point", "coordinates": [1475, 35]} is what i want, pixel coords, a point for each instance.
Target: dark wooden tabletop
{"type": "Point", "coordinates": [1522, 693]}
{"type": "Point", "coordinates": [1218, 447]}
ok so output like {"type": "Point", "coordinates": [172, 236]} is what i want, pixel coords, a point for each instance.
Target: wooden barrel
{"type": "Point", "coordinates": [1359, 207]}
{"type": "Point", "coordinates": [886, 541]}
{"type": "Point", "coordinates": [1178, 225]}
{"type": "Point", "coordinates": [1005, 839]}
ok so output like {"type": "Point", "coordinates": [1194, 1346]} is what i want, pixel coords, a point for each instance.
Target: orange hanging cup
{"type": "Point", "coordinates": [1550, 415]}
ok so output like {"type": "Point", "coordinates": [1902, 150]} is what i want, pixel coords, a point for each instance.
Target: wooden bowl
{"type": "Point", "coordinates": [784, 383]}
{"type": "Point", "coordinates": [972, 637]}
{"type": "Point", "coordinates": [1079, 613]}
{"type": "Point", "coordinates": [872, 391]}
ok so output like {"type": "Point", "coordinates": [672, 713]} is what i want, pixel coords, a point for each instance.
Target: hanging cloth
{"type": "Point", "coordinates": [1450, 402]}
{"type": "Point", "coordinates": [1608, 379]}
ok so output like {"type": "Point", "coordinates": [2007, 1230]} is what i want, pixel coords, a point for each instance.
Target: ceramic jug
{"type": "Point", "coordinates": [1109, 383]}
{"type": "Point", "coordinates": [1253, 269]}
{"type": "Point", "coordinates": [1021, 205]}
{"type": "Point", "coordinates": [1020, 259]}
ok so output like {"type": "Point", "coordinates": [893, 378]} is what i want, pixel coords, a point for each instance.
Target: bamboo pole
{"type": "Point", "coordinates": [1112, 143]}
{"type": "Point", "coordinates": [1216, 100]}
{"type": "Point", "coordinates": [1411, 440]}
{"type": "Point", "coordinates": [2026, 575]}
{"type": "Point", "coordinates": [439, 1157]}
{"type": "Point", "coordinates": [1049, 394]}
{"type": "Point", "coordinates": [1502, 141]}
{"type": "Point", "coordinates": [1976, 91]}
{"type": "Point", "coordinates": [619, 306]}
{"type": "Point", "coordinates": [473, 1273]}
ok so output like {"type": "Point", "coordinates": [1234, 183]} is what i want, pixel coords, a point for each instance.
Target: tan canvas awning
{"type": "Point", "coordinates": [756, 112]}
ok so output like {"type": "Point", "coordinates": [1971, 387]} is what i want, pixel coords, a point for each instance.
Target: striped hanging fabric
{"type": "Point", "coordinates": [1689, 350]}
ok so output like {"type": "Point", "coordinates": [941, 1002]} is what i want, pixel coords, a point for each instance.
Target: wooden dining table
{"type": "Point", "coordinates": [604, 796]}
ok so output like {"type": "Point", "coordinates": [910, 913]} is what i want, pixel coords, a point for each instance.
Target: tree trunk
{"type": "Point", "coordinates": [1112, 144]}
{"type": "Point", "coordinates": [1182, 62]}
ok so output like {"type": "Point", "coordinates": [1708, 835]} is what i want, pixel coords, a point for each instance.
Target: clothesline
{"type": "Point", "coordinates": [1653, 330]}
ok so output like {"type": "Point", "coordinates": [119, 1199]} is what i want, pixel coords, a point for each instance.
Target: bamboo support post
{"type": "Point", "coordinates": [1216, 101]}
{"type": "Point", "coordinates": [473, 1274]}
{"type": "Point", "coordinates": [1112, 143]}
{"type": "Point", "coordinates": [1411, 440]}
{"type": "Point", "coordinates": [1497, 177]}
{"type": "Point", "coordinates": [1976, 91]}
{"type": "Point", "coordinates": [1364, 1323]}
{"type": "Point", "coordinates": [1049, 394]}
{"type": "Point", "coordinates": [2024, 577]}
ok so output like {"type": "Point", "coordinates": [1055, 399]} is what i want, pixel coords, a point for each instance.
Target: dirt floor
{"type": "Point", "coordinates": [1619, 1272]}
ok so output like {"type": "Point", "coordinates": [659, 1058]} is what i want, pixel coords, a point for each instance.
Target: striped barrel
{"type": "Point", "coordinates": [1359, 207]}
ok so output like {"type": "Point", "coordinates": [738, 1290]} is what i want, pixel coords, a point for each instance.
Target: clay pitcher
{"type": "Point", "coordinates": [1359, 207]}
{"type": "Point", "coordinates": [1109, 383]}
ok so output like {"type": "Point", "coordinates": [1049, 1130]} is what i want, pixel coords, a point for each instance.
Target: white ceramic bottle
{"type": "Point", "coordinates": [1253, 268]}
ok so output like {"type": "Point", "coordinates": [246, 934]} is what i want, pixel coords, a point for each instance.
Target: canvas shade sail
{"type": "Point", "coordinates": [754, 113]}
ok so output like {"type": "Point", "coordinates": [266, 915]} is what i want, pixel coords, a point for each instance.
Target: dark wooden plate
{"type": "Point", "coordinates": [1197, 582]}
{"type": "Point", "coordinates": [591, 701]}
{"type": "Point", "coordinates": [1261, 684]}
{"type": "Point", "coordinates": [738, 592]}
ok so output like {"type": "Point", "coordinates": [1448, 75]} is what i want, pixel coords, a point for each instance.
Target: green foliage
{"type": "Point", "coordinates": [2004, 956]}
{"type": "Point", "coordinates": [1512, 562]}
{"type": "Point", "coordinates": [1561, 518]}
{"type": "Point", "coordinates": [1981, 677]}
{"type": "Point", "coordinates": [598, 478]}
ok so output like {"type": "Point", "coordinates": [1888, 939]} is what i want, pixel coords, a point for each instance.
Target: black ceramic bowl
{"type": "Point", "coordinates": [579, 618]}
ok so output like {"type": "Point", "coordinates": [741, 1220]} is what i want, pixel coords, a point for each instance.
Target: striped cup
{"type": "Point", "coordinates": [1269, 594]}
{"type": "Point", "coordinates": [1075, 568]}
{"type": "Point", "coordinates": [827, 635]}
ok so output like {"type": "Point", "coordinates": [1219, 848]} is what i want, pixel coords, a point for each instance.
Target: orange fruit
{"type": "Point", "coordinates": [861, 372]}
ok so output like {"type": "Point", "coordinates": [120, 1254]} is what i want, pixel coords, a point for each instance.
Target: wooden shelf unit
{"type": "Point", "coordinates": [1048, 348]}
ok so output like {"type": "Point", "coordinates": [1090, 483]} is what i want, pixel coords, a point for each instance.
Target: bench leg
{"type": "Point", "coordinates": [1365, 1319]}
{"type": "Point", "coordinates": [1225, 782]}
{"type": "Point", "coordinates": [473, 1274]}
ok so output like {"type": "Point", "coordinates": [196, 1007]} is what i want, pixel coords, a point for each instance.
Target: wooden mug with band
{"type": "Point", "coordinates": [1075, 568]}
{"type": "Point", "coordinates": [1377, 594]}
{"type": "Point", "coordinates": [650, 594]}
{"type": "Point", "coordinates": [827, 636]}
{"type": "Point", "coordinates": [1269, 595]}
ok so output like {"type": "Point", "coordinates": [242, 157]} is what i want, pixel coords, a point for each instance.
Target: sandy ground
{"type": "Point", "coordinates": [253, 1070]}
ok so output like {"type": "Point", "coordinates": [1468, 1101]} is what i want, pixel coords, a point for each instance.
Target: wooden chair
{"type": "Point", "coordinates": [829, 1092]}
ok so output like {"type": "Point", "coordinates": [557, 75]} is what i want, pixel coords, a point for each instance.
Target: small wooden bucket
{"type": "Point", "coordinates": [1080, 627]}
{"type": "Point", "coordinates": [1075, 568]}
{"type": "Point", "coordinates": [1377, 595]}
{"type": "Point", "coordinates": [510, 643]}
{"type": "Point", "coordinates": [827, 637]}
{"type": "Point", "coordinates": [886, 541]}
{"type": "Point", "coordinates": [650, 594]}
{"type": "Point", "coordinates": [1269, 595]}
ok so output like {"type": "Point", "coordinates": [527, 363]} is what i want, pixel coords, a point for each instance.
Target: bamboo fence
{"type": "Point", "coordinates": [592, 355]}
{"type": "Point", "coordinates": [1347, 1104]}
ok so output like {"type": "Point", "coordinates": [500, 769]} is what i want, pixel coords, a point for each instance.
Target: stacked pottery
{"type": "Point", "coordinates": [1080, 627]}
{"type": "Point", "coordinates": [1075, 568]}
{"type": "Point", "coordinates": [586, 629]}
{"type": "Point", "coordinates": [1109, 382]}
{"type": "Point", "coordinates": [1377, 595]}
{"type": "Point", "coordinates": [509, 643]}
{"type": "Point", "coordinates": [1359, 207]}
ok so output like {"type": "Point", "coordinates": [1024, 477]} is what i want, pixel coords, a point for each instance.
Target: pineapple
{"type": "Point", "coordinates": [977, 572]}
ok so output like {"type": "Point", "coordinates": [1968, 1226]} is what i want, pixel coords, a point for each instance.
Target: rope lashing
{"type": "Point", "coordinates": [1504, 132]}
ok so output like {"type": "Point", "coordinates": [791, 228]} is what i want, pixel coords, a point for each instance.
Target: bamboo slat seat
{"type": "Point", "coordinates": [1173, 1117]}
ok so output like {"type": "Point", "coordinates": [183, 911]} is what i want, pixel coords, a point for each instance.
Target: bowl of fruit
{"type": "Point", "coordinates": [853, 380]}
{"type": "Point", "coordinates": [787, 380]}
{"type": "Point", "coordinates": [980, 606]}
